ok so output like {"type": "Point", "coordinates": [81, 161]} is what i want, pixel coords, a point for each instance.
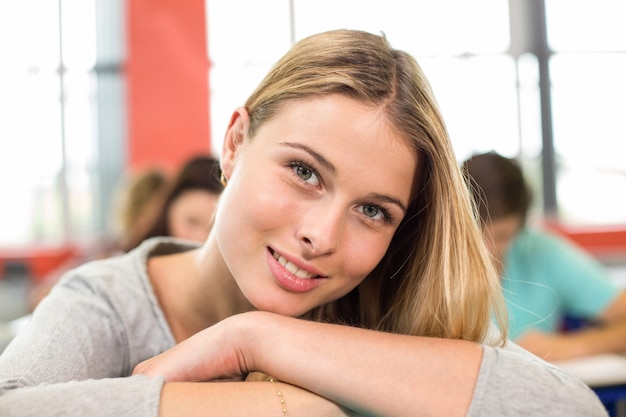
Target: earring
{"type": "Point", "coordinates": [223, 180]}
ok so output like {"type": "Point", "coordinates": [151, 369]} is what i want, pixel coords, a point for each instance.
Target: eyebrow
{"type": "Point", "coordinates": [388, 199]}
{"type": "Point", "coordinates": [319, 158]}
{"type": "Point", "coordinates": [326, 163]}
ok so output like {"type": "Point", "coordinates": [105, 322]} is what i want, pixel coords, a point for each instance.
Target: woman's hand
{"type": "Point", "coordinates": [221, 353]}
{"type": "Point", "coordinates": [216, 353]}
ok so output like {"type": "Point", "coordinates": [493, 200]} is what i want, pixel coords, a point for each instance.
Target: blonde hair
{"type": "Point", "coordinates": [436, 278]}
{"type": "Point", "coordinates": [137, 204]}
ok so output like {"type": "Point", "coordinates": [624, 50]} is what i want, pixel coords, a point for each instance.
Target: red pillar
{"type": "Point", "coordinates": [167, 82]}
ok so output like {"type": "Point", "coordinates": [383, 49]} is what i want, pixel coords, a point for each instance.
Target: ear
{"type": "Point", "coordinates": [235, 137]}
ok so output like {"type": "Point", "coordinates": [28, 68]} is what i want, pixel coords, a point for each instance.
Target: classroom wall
{"type": "Point", "coordinates": [167, 78]}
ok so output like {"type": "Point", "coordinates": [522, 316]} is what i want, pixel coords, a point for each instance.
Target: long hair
{"type": "Point", "coordinates": [436, 278]}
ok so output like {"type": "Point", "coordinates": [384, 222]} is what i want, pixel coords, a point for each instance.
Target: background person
{"type": "Point", "coordinates": [344, 205]}
{"type": "Point", "coordinates": [545, 277]}
{"type": "Point", "coordinates": [138, 206]}
{"type": "Point", "coordinates": [187, 208]}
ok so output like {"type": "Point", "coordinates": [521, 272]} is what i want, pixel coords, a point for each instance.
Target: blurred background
{"type": "Point", "coordinates": [93, 90]}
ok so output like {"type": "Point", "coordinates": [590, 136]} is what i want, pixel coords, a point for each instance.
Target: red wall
{"type": "Point", "coordinates": [604, 242]}
{"type": "Point", "coordinates": [167, 79]}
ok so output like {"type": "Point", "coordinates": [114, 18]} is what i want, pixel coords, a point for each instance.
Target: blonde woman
{"type": "Point", "coordinates": [345, 261]}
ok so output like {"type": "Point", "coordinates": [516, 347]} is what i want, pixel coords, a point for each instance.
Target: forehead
{"type": "Point", "coordinates": [338, 110]}
{"type": "Point", "coordinates": [356, 137]}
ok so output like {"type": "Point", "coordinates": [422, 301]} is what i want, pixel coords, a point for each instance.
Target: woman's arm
{"type": "Point", "coordinates": [371, 372]}
{"type": "Point", "coordinates": [52, 370]}
{"type": "Point", "coordinates": [233, 399]}
{"type": "Point", "coordinates": [377, 373]}
{"type": "Point", "coordinates": [69, 360]}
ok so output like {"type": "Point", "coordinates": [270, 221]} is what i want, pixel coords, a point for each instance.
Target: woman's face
{"type": "Point", "coordinates": [190, 215]}
{"type": "Point", "coordinates": [312, 202]}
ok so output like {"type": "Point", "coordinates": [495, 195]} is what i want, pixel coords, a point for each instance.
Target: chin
{"type": "Point", "coordinates": [282, 309]}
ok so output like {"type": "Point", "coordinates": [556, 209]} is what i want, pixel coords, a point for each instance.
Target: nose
{"type": "Point", "coordinates": [321, 228]}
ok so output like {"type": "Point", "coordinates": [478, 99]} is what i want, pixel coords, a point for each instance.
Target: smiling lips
{"type": "Point", "coordinates": [292, 277]}
{"type": "Point", "coordinates": [292, 268]}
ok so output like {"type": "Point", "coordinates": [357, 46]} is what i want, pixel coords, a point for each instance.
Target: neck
{"type": "Point", "coordinates": [195, 290]}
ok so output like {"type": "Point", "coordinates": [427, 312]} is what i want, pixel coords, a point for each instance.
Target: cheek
{"type": "Point", "coordinates": [182, 229]}
{"type": "Point", "coordinates": [363, 253]}
{"type": "Point", "coordinates": [247, 212]}
{"type": "Point", "coordinates": [174, 223]}
{"type": "Point", "coordinates": [262, 204]}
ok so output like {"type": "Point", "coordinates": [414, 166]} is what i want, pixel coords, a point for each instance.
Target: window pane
{"type": "Point", "coordinates": [30, 155]}
{"type": "Point", "coordinates": [80, 140]}
{"type": "Point", "coordinates": [478, 100]}
{"type": "Point", "coordinates": [29, 39]}
{"type": "Point", "coordinates": [445, 27]}
{"type": "Point", "coordinates": [530, 128]}
{"type": "Point", "coordinates": [529, 105]}
{"type": "Point", "coordinates": [586, 25]}
{"type": "Point", "coordinates": [589, 103]}
{"type": "Point", "coordinates": [239, 62]}
{"type": "Point", "coordinates": [30, 152]}
{"type": "Point", "coordinates": [450, 27]}
{"type": "Point", "coordinates": [32, 162]}
{"type": "Point", "coordinates": [79, 36]}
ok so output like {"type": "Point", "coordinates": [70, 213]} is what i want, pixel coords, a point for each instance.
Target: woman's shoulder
{"type": "Point", "coordinates": [123, 270]}
{"type": "Point", "coordinates": [120, 283]}
{"type": "Point", "coordinates": [118, 290]}
{"type": "Point", "coordinates": [103, 274]}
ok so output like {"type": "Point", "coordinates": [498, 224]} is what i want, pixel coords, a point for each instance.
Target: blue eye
{"type": "Point", "coordinates": [305, 173]}
{"type": "Point", "coordinates": [371, 211]}
{"type": "Point", "coordinates": [376, 213]}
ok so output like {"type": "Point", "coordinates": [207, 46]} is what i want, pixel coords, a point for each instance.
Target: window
{"type": "Point", "coordinates": [31, 156]}
{"type": "Point", "coordinates": [588, 43]}
{"type": "Point", "coordinates": [460, 45]}
{"type": "Point", "coordinates": [62, 107]}
{"type": "Point", "coordinates": [489, 97]}
{"type": "Point", "coordinates": [51, 170]}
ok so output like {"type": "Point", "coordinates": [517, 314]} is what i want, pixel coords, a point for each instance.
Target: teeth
{"type": "Point", "coordinates": [292, 267]}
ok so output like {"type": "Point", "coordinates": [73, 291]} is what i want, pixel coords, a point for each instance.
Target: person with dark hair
{"type": "Point", "coordinates": [344, 264]}
{"type": "Point", "coordinates": [188, 204]}
{"type": "Point", "coordinates": [545, 277]}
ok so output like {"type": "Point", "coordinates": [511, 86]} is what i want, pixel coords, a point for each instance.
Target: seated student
{"type": "Point", "coordinates": [187, 206]}
{"type": "Point", "coordinates": [344, 261]}
{"type": "Point", "coordinates": [545, 277]}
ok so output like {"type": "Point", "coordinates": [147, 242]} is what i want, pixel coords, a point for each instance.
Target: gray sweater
{"type": "Point", "coordinates": [75, 356]}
